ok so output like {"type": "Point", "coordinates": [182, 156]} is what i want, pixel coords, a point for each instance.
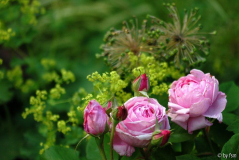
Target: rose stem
{"type": "Point", "coordinates": [143, 153]}
{"type": "Point", "coordinates": [100, 145]}
{"type": "Point", "coordinates": [112, 137]}
{"type": "Point", "coordinates": [120, 157]}
{"type": "Point", "coordinates": [209, 141]}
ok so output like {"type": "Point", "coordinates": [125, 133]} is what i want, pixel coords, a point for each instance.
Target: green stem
{"type": "Point", "coordinates": [136, 94]}
{"type": "Point", "coordinates": [112, 137]}
{"type": "Point", "coordinates": [145, 155]}
{"type": "Point", "coordinates": [100, 145]}
{"type": "Point", "coordinates": [209, 140]}
{"type": "Point", "coordinates": [120, 157]}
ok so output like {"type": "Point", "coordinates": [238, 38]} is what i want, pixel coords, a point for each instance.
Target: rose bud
{"type": "Point", "coordinates": [160, 138]}
{"type": "Point", "coordinates": [120, 113]}
{"type": "Point", "coordinates": [141, 83]}
{"type": "Point", "coordinates": [95, 119]}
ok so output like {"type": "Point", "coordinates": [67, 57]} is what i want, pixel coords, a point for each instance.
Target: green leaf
{"type": "Point", "coordinates": [60, 153]}
{"type": "Point", "coordinates": [219, 134]}
{"type": "Point", "coordinates": [231, 149]}
{"type": "Point", "coordinates": [163, 153]}
{"type": "Point", "coordinates": [187, 146]}
{"type": "Point", "coordinates": [234, 127]}
{"type": "Point", "coordinates": [177, 147]}
{"type": "Point", "coordinates": [5, 93]}
{"type": "Point", "coordinates": [229, 118]}
{"type": "Point", "coordinates": [92, 151]}
{"type": "Point", "coordinates": [187, 157]}
{"type": "Point", "coordinates": [232, 92]}
{"type": "Point", "coordinates": [210, 158]}
{"type": "Point", "coordinates": [202, 145]}
{"type": "Point", "coordinates": [74, 136]}
{"type": "Point", "coordinates": [179, 134]}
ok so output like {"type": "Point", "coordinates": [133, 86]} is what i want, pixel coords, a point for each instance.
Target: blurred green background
{"type": "Point", "coordinates": [70, 32]}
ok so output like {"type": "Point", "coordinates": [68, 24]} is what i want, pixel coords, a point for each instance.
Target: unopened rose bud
{"type": "Point", "coordinates": [141, 83]}
{"type": "Point", "coordinates": [120, 113]}
{"type": "Point", "coordinates": [95, 119]}
{"type": "Point", "coordinates": [160, 138]}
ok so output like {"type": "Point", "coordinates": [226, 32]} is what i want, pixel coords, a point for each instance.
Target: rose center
{"type": "Point", "coordinates": [146, 111]}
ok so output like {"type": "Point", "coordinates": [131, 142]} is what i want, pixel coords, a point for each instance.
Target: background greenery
{"type": "Point", "coordinates": [70, 33]}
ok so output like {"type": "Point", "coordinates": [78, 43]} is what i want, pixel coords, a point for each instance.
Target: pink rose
{"type": "Point", "coordinates": [95, 119]}
{"type": "Point", "coordinates": [136, 130]}
{"type": "Point", "coordinates": [193, 98]}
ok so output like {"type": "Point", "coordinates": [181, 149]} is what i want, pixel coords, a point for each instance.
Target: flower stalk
{"type": "Point", "coordinates": [115, 122]}
{"type": "Point", "coordinates": [100, 145]}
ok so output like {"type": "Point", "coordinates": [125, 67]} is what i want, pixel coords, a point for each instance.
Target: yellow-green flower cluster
{"type": "Point", "coordinates": [38, 105]}
{"type": "Point", "coordinates": [160, 89]}
{"type": "Point", "coordinates": [48, 63]}
{"type": "Point", "coordinates": [51, 122]}
{"type": "Point", "coordinates": [67, 76]}
{"type": "Point", "coordinates": [62, 127]}
{"type": "Point", "coordinates": [72, 116]}
{"type": "Point", "coordinates": [15, 76]}
{"type": "Point", "coordinates": [31, 8]}
{"type": "Point", "coordinates": [5, 34]}
{"type": "Point", "coordinates": [57, 92]}
{"type": "Point", "coordinates": [4, 2]}
{"type": "Point", "coordinates": [27, 86]}
{"type": "Point", "coordinates": [51, 76]}
{"type": "Point", "coordinates": [157, 72]}
{"type": "Point", "coordinates": [107, 85]}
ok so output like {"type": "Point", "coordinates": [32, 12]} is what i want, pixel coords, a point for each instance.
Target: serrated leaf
{"type": "Point", "coordinates": [60, 153]}
{"type": "Point", "coordinates": [234, 127]}
{"type": "Point", "coordinates": [231, 148]}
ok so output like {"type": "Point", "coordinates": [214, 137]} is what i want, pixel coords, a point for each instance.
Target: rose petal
{"type": "Point", "coordinates": [180, 119]}
{"type": "Point", "coordinates": [183, 111]}
{"type": "Point", "coordinates": [214, 111]}
{"type": "Point", "coordinates": [197, 73]}
{"type": "Point", "coordinates": [195, 123]}
{"type": "Point", "coordinates": [136, 141]}
{"type": "Point", "coordinates": [215, 89]}
{"type": "Point", "coordinates": [197, 109]}
{"type": "Point", "coordinates": [174, 106]}
{"type": "Point", "coordinates": [121, 147]}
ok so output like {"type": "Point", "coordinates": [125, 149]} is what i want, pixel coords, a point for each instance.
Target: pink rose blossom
{"type": "Point", "coordinates": [193, 98]}
{"type": "Point", "coordinates": [136, 130]}
{"type": "Point", "coordinates": [95, 118]}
